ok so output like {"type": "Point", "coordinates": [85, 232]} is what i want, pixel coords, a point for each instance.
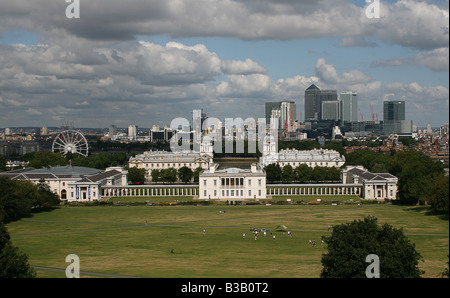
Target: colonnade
{"type": "Point", "coordinates": [314, 189]}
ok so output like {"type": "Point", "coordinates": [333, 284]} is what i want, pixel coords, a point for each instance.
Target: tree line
{"type": "Point", "coordinates": [170, 175]}
{"type": "Point", "coordinates": [18, 199]}
{"type": "Point", "coordinates": [302, 174]}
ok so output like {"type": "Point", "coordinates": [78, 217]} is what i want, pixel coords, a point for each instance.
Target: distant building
{"type": "Point", "coordinates": [294, 158]}
{"type": "Point", "coordinates": [232, 183]}
{"type": "Point", "coordinates": [394, 118]}
{"type": "Point", "coordinates": [158, 160]}
{"type": "Point", "coordinates": [132, 132]}
{"type": "Point", "coordinates": [73, 183]}
{"type": "Point", "coordinates": [375, 186]}
{"type": "Point", "coordinates": [313, 103]}
{"type": "Point", "coordinates": [349, 106]}
{"type": "Point", "coordinates": [112, 131]}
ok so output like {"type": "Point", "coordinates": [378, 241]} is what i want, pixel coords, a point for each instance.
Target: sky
{"type": "Point", "coordinates": [147, 62]}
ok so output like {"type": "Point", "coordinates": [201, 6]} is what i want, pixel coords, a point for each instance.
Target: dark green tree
{"type": "Point", "coordinates": [156, 175]}
{"type": "Point", "coordinates": [319, 174]}
{"type": "Point", "coordinates": [303, 173]}
{"type": "Point", "coordinates": [185, 174]}
{"type": "Point", "coordinates": [350, 244]}
{"type": "Point", "coordinates": [169, 175]}
{"type": "Point", "coordinates": [13, 264]}
{"type": "Point", "coordinates": [273, 172]}
{"type": "Point", "coordinates": [440, 195]}
{"type": "Point", "coordinates": [197, 174]}
{"type": "Point", "coordinates": [136, 175]}
{"type": "Point", "coordinates": [42, 159]}
{"type": "Point", "coordinates": [287, 173]}
{"type": "Point", "coordinates": [416, 174]}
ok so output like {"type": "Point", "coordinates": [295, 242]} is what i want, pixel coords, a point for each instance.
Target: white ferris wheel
{"type": "Point", "coordinates": [70, 141]}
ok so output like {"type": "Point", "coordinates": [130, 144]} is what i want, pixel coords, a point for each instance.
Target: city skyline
{"type": "Point", "coordinates": [148, 62]}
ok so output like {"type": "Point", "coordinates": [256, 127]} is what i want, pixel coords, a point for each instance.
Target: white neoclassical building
{"type": "Point", "coordinates": [73, 183]}
{"type": "Point", "coordinates": [232, 183]}
{"type": "Point", "coordinates": [294, 158]}
{"type": "Point", "coordinates": [375, 186]}
{"type": "Point", "coordinates": [158, 160]}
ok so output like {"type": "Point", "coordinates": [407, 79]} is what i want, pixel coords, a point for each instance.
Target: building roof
{"type": "Point", "coordinates": [58, 172]}
{"type": "Point", "coordinates": [313, 87]}
{"type": "Point", "coordinates": [166, 156]}
{"type": "Point", "coordinates": [368, 176]}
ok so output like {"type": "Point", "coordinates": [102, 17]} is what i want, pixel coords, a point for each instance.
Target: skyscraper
{"type": "Point", "coordinates": [132, 132]}
{"type": "Point", "coordinates": [312, 103]}
{"type": "Point", "coordinates": [393, 110]}
{"type": "Point", "coordinates": [394, 118]}
{"type": "Point", "coordinates": [349, 106]}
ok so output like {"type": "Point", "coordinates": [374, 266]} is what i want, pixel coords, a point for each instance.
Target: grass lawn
{"type": "Point", "coordinates": [117, 240]}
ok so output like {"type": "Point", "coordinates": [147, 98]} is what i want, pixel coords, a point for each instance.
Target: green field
{"type": "Point", "coordinates": [117, 241]}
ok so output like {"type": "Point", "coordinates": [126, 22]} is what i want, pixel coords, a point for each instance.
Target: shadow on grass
{"type": "Point", "coordinates": [426, 210]}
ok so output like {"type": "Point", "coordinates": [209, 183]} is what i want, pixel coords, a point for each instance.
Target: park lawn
{"type": "Point", "coordinates": [116, 240]}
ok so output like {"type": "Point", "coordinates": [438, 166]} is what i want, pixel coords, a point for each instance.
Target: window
{"type": "Point", "coordinates": [204, 182]}
{"type": "Point", "coordinates": [215, 182]}
{"type": "Point", "coordinates": [215, 192]}
{"type": "Point", "coordinates": [249, 182]}
{"type": "Point", "coordinates": [249, 192]}
{"type": "Point", "coordinates": [242, 192]}
{"type": "Point", "coordinates": [259, 192]}
{"type": "Point", "coordinates": [204, 193]}
{"type": "Point", "coordinates": [259, 182]}
{"type": "Point", "coordinates": [223, 193]}
{"type": "Point", "coordinates": [232, 193]}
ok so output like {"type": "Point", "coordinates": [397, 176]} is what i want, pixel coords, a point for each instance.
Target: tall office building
{"type": "Point", "coordinates": [271, 106]}
{"type": "Point", "coordinates": [349, 106]}
{"type": "Point", "coordinates": [312, 103]}
{"type": "Point", "coordinates": [330, 110]}
{"type": "Point", "coordinates": [132, 132]}
{"type": "Point", "coordinates": [112, 131]}
{"type": "Point", "coordinates": [394, 118]}
{"type": "Point", "coordinates": [328, 95]}
{"type": "Point", "coordinates": [393, 110]}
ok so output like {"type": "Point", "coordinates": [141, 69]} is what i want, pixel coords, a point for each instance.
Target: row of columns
{"type": "Point", "coordinates": [178, 190]}
{"type": "Point", "coordinates": [314, 190]}
{"type": "Point", "coordinates": [125, 191]}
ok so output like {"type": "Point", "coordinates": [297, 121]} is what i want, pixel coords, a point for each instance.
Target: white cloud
{"type": "Point", "coordinates": [411, 23]}
{"type": "Point", "coordinates": [328, 74]}
{"type": "Point", "coordinates": [436, 60]}
{"type": "Point", "coordinates": [242, 67]}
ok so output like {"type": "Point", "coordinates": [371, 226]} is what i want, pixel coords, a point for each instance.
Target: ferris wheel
{"type": "Point", "coordinates": [70, 141]}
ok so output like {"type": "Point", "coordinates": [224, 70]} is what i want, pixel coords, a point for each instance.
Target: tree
{"type": "Point", "coordinates": [319, 174]}
{"type": "Point", "coordinates": [136, 175]}
{"type": "Point", "coordinates": [350, 244]}
{"type": "Point", "coordinates": [197, 174]}
{"type": "Point", "coordinates": [13, 203]}
{"type": "Point", "coordinates": [42, 159]}
{"type": "Point", "coordinates": [169, 175]}
{"type": "Point", "coordinates": [2, 163]}
{"type": "Point", "coordinates": [156, 175]}
{"type": "Point", "coordinates": [416, 174]}
{"type": "Point", "coordinates": [13, 264]}
{"type": "Point", "coordinates": [288, 173]}
{"type": "Point", "coordinates": [303, 173]}
{"type": "Point", "coordinates": [185, 174]}
{"type": "Point", "coordinates": [273, 172]}
{"type": "Point", "coordinates": [440, 194]}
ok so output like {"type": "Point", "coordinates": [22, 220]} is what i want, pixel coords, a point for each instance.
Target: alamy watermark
{"type": "Point", "coordinates": [73, 9]}
{"type": "Point", "coordinates": [237, 131]}
{"type": "Point", "coordinates": [73, 269]}
{"type": "Point", "coordinates": [372, 10]}
{"type": "Point", "coordinates": [373, 270]}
